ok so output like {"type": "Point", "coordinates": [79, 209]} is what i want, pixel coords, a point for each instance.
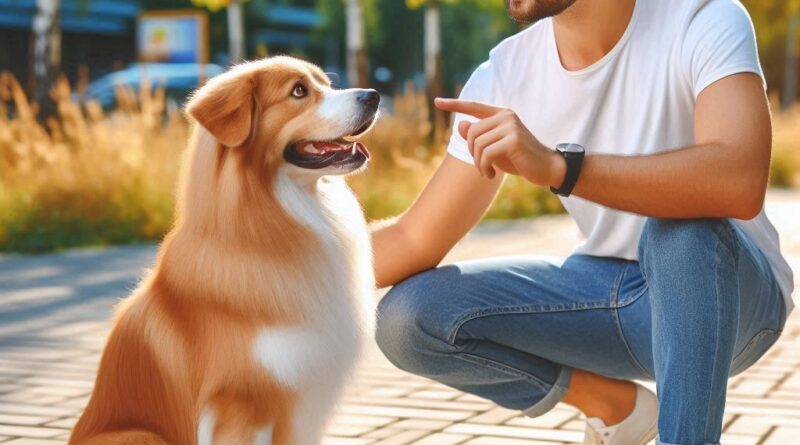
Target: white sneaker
{"type": "Point", "coordinates": [639, 428]}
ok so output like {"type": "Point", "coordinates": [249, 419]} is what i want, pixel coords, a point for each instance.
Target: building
{"type": "Point", "coordinates": [95, 33]}
{"type": "Point", "coordinates": [101, 34]}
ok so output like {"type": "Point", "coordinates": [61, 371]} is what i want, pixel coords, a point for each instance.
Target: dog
{"type": "Point", "coordinates": [248, 324]}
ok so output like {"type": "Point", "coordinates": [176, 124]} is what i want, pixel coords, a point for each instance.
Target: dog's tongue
{"type": "Point", "coordinates": [321, 147]}
{"type": "Point", "coordinates": [327, 146]}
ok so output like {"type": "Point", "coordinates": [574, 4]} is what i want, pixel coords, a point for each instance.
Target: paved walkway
{"type": "Point", "coordinates": [54, 313]}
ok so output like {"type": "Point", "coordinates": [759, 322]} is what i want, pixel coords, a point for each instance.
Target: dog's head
{"type": "Point", "coordinates": [283, 111]}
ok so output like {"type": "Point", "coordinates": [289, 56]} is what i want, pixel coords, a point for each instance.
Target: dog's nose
{"type": "Point", "coordinates": [369, 97]}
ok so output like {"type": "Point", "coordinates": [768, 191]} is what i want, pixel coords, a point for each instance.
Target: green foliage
{"type": "Point", "coordinates": [416, 4]}
{"type": "Point", "coordinates": [771, 20]}
{"type": "Point", "coordinates": [395, 35]}
{"type": "Point", "coordinates": [213, 5]}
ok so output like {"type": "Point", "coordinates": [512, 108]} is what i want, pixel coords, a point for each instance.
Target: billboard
{"type": "Point", "coordinates": [175, 36]}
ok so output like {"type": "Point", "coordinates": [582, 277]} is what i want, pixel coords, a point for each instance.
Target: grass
{"type": "Point", "coordinates": [91, 177]}
{"type": "Point", "coordinates": [87, 178]}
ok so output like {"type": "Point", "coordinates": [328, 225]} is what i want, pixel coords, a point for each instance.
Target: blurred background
{"type": "Point", "coordinates": [91, 129]}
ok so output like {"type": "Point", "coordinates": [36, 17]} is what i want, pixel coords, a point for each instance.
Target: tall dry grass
{"type": "Point", "coordinates": [87, 177]}
{"type": "Point", "coordinates": [786, 149]}
{"type": "Point", "coordinates": [91, 177]}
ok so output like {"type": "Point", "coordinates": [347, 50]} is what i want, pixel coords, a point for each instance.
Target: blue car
{"type": "Point", "coordinates": [179, 79]}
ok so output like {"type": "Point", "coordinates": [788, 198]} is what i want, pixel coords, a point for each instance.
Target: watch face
{"type": "Point", "coordinates": [570, 148]}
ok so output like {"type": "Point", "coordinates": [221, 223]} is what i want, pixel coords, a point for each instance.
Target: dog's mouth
{"type": "Point", "coordinates": [343, 152]}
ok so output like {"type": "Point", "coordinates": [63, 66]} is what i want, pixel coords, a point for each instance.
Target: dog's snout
{"type": "Point", "coordinates": [369, 97]}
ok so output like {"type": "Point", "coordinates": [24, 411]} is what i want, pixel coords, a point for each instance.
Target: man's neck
{"type": "Point", "coordinates": [589, 30]}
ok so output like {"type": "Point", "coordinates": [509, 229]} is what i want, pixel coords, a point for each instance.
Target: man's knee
{"type": "Point", "coordinates": [689, 239]}
{"type": "Point", "coordinates": [406, 324]}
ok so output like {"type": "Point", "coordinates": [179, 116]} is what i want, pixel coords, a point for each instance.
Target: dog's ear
{"type": "Point", "coordinates": [224, 107]}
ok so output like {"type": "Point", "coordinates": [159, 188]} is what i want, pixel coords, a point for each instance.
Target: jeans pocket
{"type": "Point", "coordinates": [754, 350]}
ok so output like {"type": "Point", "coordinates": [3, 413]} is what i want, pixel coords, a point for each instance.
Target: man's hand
{"type": "Point", "coordinates": [500, 140]}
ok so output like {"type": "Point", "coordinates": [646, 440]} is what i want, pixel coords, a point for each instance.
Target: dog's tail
{"type": "Point", "coordinates": [129, 437]}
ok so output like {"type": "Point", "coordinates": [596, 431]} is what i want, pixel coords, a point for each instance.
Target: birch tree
{"type": "Point", "coordinates": [236, 51]}
{"type": "Point", "coordinates": [46, 52]}
{"type": "Point", "coordinates": [433, 57]}
{"type": "Point", "coordinates": [792, 54]}
{"type": "Point", "coordinates": [357, 71]}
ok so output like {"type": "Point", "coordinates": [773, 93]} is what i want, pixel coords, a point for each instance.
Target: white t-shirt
{"type": "Point", "coordinates": [639, 99]}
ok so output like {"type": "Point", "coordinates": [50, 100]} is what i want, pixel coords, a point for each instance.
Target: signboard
{"type": "Point", "coordinates": [175, 36]}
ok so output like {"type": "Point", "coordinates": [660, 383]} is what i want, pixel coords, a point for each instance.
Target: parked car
{"type": "Point", "coordinates": [179, 79]}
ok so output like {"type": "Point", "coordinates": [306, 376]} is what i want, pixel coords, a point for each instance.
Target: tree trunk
{"type": "Point", "coordinates": [46, 53]}
{"type": "Point", "coordinates": [356, 47]}
{"type": "Point", "coordinates": [792, 56]}
{"type": "Point", "coordinates": [236, 31]}
{"type": "Point", "coordinates": [433, 65]}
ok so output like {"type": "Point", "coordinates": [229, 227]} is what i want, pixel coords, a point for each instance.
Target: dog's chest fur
{"type": "Point", "coordinates": [339, 315]}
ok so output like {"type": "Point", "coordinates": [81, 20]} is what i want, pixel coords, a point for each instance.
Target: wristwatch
{"type": "Point", "coordinates": [573, 153]}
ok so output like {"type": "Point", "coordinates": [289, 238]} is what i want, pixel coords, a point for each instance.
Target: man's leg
{"type": "Point", "coordinates": [710, 291]}
{"type": "Point", "coordinates": [511, 329]}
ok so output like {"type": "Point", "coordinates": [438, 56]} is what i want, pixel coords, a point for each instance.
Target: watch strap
{"type": "Point", "coordinates": [574, 164]}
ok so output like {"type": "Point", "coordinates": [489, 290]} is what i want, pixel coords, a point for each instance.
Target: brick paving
{"type": "Point", "coordinates": [54, 313]}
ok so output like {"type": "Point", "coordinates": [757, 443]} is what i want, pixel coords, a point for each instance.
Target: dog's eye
{"type": "Point", "coordinates": [299, 91]}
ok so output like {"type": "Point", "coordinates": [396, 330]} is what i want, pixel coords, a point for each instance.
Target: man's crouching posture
{"type": "Point", "coordinates": [650, 119]}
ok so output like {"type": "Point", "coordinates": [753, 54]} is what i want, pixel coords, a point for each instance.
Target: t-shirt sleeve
{"type": "Point", "coordinates": [478, 88]}
{"type": "Point", "coordinates": [720, 42]}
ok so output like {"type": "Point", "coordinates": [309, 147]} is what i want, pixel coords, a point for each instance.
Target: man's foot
{"type": "Point", "coordinates": [639, 428]}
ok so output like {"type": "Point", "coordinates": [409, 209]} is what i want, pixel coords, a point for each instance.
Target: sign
{"type": "Point", "coordinates": [174, 36]}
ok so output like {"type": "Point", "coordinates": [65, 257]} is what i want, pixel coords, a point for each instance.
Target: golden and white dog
{"type": "Point", "coordinates": [246, 328]}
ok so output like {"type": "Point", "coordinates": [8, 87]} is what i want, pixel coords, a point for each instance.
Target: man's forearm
{"type": "Point", "coordinates": [725, 176]}
{"type": "Point", "coordinates": [394, 255]}
{"type": "Point", "coordinates": [696, 182]}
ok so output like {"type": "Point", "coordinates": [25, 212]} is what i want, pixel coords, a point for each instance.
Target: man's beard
{"type": "Point", "coordinates": [530, 11]}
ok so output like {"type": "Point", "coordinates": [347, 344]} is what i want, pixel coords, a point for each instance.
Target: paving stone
{"type": "Point", "coordinates": [488, 440]}
{"type": "Point", "coordinates": [783, 436]}
{"type": "Point", "coordinates": [31, 441]}
{"type": "Point", "coordinates": [443, 439]}
{"type": "Point", "coordinates": [11, 419]}
{"type": "Point", "coordinates": [28, 431]}
{"type": "Point", "coordinates": [515, 432]}
{"type": "Point", "coordinates": [403, 437]}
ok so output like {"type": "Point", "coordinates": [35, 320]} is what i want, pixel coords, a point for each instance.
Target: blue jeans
{"type": "Point", "coordinates": [700, 305]}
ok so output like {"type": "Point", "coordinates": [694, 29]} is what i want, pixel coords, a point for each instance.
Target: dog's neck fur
{"type": "Point", "coordinates": [238, 229]}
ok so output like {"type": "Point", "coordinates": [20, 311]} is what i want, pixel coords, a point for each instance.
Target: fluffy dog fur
{"type": "Point", "coordinates": [248, 324]}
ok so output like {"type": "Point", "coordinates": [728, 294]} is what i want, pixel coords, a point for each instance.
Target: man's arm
{"type": "Point", "coordinates": [724, 175]}
{"type": "Point", "coordinates": [452, 203]}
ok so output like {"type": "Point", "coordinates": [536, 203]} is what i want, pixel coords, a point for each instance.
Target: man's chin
{"type": "Point", "coordinates": [531, 11]}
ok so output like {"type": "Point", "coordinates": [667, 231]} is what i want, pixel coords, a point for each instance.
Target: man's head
{"type": "Point", "coordinates": [529, 11]}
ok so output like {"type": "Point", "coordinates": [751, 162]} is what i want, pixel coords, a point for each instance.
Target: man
{"type": "Point", "coordinates": [680, 278]}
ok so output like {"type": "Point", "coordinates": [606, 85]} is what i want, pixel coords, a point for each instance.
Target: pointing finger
{"type": "Point", "coordinates": [472, 108]}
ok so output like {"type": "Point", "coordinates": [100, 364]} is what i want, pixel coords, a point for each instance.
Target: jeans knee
{"type": "Point", "coordinates": [686, 240]}
{"type": "Point", "coordinates": [402, 318]}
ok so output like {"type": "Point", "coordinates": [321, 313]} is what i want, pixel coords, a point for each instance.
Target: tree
{"type": "Point", "coordinates": [236, 50]}
{"type": "Point", "coordinates": [433, 57]}
{"type": "Point", "coordinates": [792, 56]}
{"type": "Point", "coordinates": [776, 26]}
{"type": "Point", "coordinates": [357, 71]}
{"type": "Point", "coordinates": [46, 52]}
